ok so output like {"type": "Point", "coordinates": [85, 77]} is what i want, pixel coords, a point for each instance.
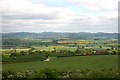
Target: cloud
{"type": "Point", "coordinates": [37, 15]}
{"type": "Point", "coordinates": [97, 4]}
{"type": "Point", "coordinates": [24, 9]}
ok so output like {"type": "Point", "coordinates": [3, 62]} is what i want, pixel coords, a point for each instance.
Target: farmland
{"type": "Point", "coordinates": [66, 51]}
{"type": "Point", "coordinates": [97, 62]}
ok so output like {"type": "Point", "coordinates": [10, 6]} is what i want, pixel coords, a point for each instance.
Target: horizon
{"type": "Point", "coordinates": [59, 32]}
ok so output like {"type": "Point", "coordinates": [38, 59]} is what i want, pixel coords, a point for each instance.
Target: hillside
{"type": "Point", "coordinates": [52, 35]}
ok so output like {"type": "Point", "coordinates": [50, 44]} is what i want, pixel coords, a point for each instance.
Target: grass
{"type": "Point", "coordinates": [25, 58]}
{"type": "Point", "coordinates": [18, 50]}
{"type": "Point", "coordinates": [9, 50]}
{"type": "Point", "coordinates": [96, 62]}
{"type": "Point", "coordinates": [98, 48]}
{"type": "Point", "coordinates": [51, 48]}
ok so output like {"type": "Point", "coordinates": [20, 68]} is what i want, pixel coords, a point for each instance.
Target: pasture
{"type": "Point", "coordinates": [97, 62]}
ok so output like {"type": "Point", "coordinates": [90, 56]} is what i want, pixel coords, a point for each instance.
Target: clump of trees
{"type": "Point", "coordinates": [78, 51]}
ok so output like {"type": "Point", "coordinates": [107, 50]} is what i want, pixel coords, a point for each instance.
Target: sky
{"type": "Point", "coordinates": [59, 16]}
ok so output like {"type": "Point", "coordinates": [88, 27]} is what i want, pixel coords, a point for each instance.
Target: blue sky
{"type": "Point", "coordinates": [59, 15]}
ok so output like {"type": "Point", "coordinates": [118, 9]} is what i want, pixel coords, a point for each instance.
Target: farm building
{"type": "Point", "coordinates": [87, 53]}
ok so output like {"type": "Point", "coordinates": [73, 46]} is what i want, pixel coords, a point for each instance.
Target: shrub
{"type": "Point", "coordinates": [52, 74]}
{"type": "Point", "coordinates": [16, 75]}
{"type": "Point", "coordinates": [6, 74]}
{"type": "Point", "coordinates": [46, 73]}
{"type": "Point", "coordinates": [90, 73]}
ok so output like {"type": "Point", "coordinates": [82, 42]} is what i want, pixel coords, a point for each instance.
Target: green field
{"type": "Point", "coordinates": [96, 62]}
{"type": "Point", "coordinates": [51, 48]}
{"type": "Point", "coordinates": [18, 50]}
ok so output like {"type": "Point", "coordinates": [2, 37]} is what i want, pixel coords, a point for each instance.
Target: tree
{"type": "Point", "coordinates": [87, 46]}
{"type": "Point", "coordinates": [54, 48]}
{"type": "Point", "coordinates": [75, 43]}
{"type": "Point", "coordinates": [55, 41]}
{"type": "Point", "coordinates": [108, 49]}
{"type": "Point", "coordinates": [78, 47]}
{"type": "Point", "coordinates": [46, 45]}
{"type": "Point", "coordinates": [82, 46]}
{"type": "Point", "coordinates": [114, 52]}
{"type": "Point", "coordinates": [22, 53]}
{"type": "Point", "coordinates": [47, 54]}
{"type": "Point", "coordinates": [14, 55]}
{"type": "Point", "coordinates": [107, 52]}
{"type": "Point", "coordinates": [115, 48]}
{"type": "Point", "coordinates": [112, 48]}
{"type": "Point", "coordinates": [77, 50]}
{"type": "Point", "coordinates": [100, 46]}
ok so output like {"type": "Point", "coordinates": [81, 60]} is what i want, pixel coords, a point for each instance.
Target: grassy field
{"type": "Point", "coordinates": [51, 48]}
{"type": "Point", "coordinates": [96, 62]}
{"type": "Point", "coordinates": [18, 50]}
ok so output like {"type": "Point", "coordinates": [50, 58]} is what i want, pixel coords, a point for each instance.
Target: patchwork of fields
{"type": "Point", "coordinates": [65, 51]}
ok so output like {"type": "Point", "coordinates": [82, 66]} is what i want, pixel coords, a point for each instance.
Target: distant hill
{"type": "Point", "coordinates": [50, 35]}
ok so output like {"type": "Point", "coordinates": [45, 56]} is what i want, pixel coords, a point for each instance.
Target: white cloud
{"type": "Point", "coordinates": [24, 9]}
{"type": "Point", "coordinates": [24, 15]}
{"type": "Point", "coordinates": [97, 4]}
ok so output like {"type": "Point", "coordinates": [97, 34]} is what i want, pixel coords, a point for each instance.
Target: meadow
{"type": "Point", "coordinates": [96, 62]}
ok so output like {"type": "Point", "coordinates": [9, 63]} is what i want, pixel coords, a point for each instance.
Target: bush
{"type": "Point", "coordinates": [90, 73]}
{"type": "Point", "coordinates": [52, 74]}
{"type": "Point", "coordinates": [46, 73]}
{"type": "Point", "coordinates": [16, 75]}
{"type": "Point", "coordinates": [6, 74]}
